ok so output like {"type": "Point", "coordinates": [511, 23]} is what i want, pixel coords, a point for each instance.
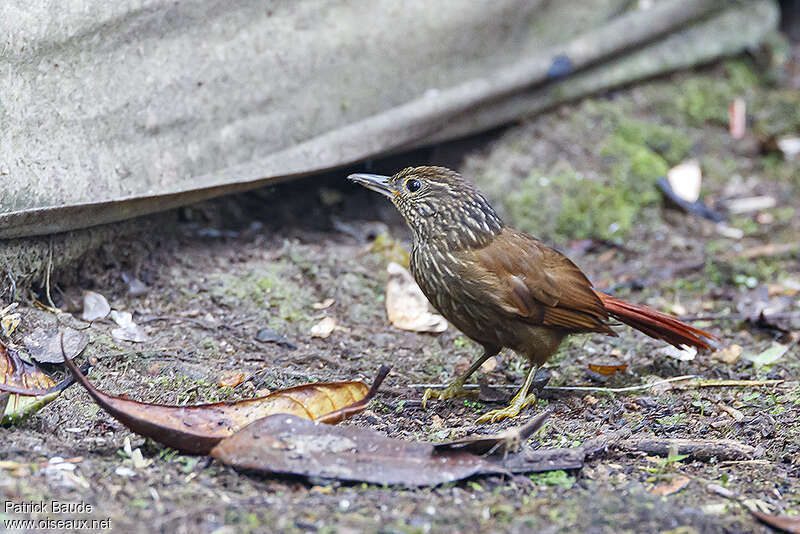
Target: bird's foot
{"type": "Point", "coordinates": [512, 410]}
{"type": "Point", "coordinates": [455, 389]}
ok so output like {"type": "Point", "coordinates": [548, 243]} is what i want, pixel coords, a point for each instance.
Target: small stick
{"type": "Point", "coordinates": [737, 316]}
{"type": "Point", "coordinates": [734, 383]}
{"type": "Point", "coordinates": [698, 383]}
{"type": "Point", "coordinates": [701, 449]}
{"type": "Point", "coordinates": [571, 388]}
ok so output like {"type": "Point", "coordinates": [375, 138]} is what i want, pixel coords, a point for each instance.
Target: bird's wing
{"type": "Point", "coordinates": [535, 283]}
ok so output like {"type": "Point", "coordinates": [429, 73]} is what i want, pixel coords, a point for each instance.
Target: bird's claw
{"type": "Point", "coordinates": [455, 389]}
{"type": "Point", "coordinates": [510, 411]}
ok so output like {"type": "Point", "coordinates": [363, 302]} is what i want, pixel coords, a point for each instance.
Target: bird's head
{"type": "Point", "coordinates": [438, 205]}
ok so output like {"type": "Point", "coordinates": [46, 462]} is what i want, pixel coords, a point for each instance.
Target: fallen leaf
{"type": "Point", "coordinates": [16, 372]}
{"type": "Point", "coordinates": [682, 187]}
{"type": "Point", "coordinates": [673, 486]}
{"type": "Point", "coordinates": [128, 330]}
{"type": "Point", "coordinates": [231, 379]}
{"type": "Point", "coordinates": [507, 441]}
{"type": "Point", "coordinates": [324, 305]}
{"type": "Point", "coordinates": [489, 365]}
{"type": "Point", "coordinates": [324, 328]}
{"type": "Point", "coordinates": [684, 355]}
{"type": "Point", "coordinates": [407, 306]}
{"type": "Point", "coordinates": [136, 288]}
{"type": "Point", "coordinates": [286, 444]}
{"type": "Point", "coordinates": [24, 388]}
{"type": "Point", "coordinates": [729, 355]}
{"type": "Point", "coordinates": [769, 356]}
{"type": "Point", "coordinates": [733, 412]}
{"type": "Point", "coordinates": [606, 370]}
{"type": "Point", "coordinates": [787, 523]}
{"type": "Point", "coordinates": [10, 319]}
{"type": "Point", "coordinates": [789, 146]}
{"type": "Point", "coordinates": [268, 335]}
{"type": "Point", "coordinates": [487, 393]}
{"type": "Point", "coordinates": [44, 345]}
{"type": "Point", "coordinates": [196, 429]}
{"type": "Point", "coordinates": [685, 180]}
{"type": "Point", "coordinates": [95, 306]}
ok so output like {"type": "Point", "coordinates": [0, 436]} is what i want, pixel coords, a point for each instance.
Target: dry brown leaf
{"type": "Point", "coordinates": [324, 305]}
{"type": "Point", "coordinates": [44, 344]}
{"type": "Point", "coordinates": [728, 355]}
{"type": "Point", "coordinates": [407, 306]}
{"type": "Point", "coordinates": [324, 328]}
{"type": "Point", "coordinates": [10, 319]}
{"type": "Point", "coordinates": [607, 370]}
{"type": "Point", "coordinates": [290, 445]}
{"type": "Point", "coordinates": [787, 523]}
{"type": "Point", "coordinates": [489, 365]}
{"type": "Point", "coordinates": [502, 443]}
{"type": "Point", "coordinates": [16, 372]}
{"type": "Point", "coordinates": [673, 486]}
{"type": "Point", "coordinates": [231, 379]}
{"type": "Point", "coordinates": [196, 429]}
{"type": "Point", "coordinates": [24, 388]}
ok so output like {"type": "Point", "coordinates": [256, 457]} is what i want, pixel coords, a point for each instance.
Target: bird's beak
{"type": "Point", "coordinates": [375, 182]}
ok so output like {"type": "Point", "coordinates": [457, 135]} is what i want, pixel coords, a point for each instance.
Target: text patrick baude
{"type": "Point", "coordinates": [47, 507]}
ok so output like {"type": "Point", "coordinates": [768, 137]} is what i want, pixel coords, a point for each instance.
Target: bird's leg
{"type": "Point", "coordinates": [518, 403]}
{"type": "Point", "coordinates": [456, 387]}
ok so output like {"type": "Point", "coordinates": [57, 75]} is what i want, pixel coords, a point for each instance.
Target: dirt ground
{"type": "Point", "coordinates": [227, 269]}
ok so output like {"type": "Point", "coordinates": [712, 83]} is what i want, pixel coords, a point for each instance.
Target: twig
{"type": "Point", "coordinates": [735, 383]}
{"type": "Point", "coordinates": [697, 383]}
{"type": "Point", "coordinates": [738, 316]}
{"type": "Point", "coordinates": [621, 390]}
{"type": "Point", "coordinates": [13, 288]}
{"type": "Point", "coordinates": [47, 274]}
{"type": "Point", "coordinates": [700, 449]}
{"type": "Point", "coordinates": [571, 388]}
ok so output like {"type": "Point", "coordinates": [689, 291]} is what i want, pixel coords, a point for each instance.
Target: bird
{"type": "Point", "coordinates": [503, 288]}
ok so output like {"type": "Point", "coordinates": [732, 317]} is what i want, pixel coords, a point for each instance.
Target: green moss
{"type": "Point", "coordinates": [586, 208]}
{"type": "Point", "coordinates": [777, 113]}
{"type": "Point", "coordinates": [270, 290]}
{"type": "Point", "coordinates": [638, 153]}
{"type": "Point", "coordinates": [670, 143]}
{"type": "Point", "coordinates": [741, 75]}
{"type": "Point", "coordinates": [705, 99]}
{"type": "Point", "coordinates": [553, 478]}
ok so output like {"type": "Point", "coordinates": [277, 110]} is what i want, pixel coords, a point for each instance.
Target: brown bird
{"type": "Point", "coordinates": [500, 287]}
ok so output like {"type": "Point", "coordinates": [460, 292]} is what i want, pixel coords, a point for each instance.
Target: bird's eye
{"type": "Point", "coordinates": [413, 185]}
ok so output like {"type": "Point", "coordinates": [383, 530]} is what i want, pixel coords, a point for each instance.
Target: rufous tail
{"type": "Point", "coordinates": [656, 324]}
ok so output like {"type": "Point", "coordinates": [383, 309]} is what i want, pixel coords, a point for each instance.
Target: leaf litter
{"type": "Point", "coordinates": [95, 306]}
{"type": "Point", "coordinates": [196, 429]}
{"type": "Point", "coordinates": [24, 387]}
{"type": "Point", "coordinates": [407, 306]}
